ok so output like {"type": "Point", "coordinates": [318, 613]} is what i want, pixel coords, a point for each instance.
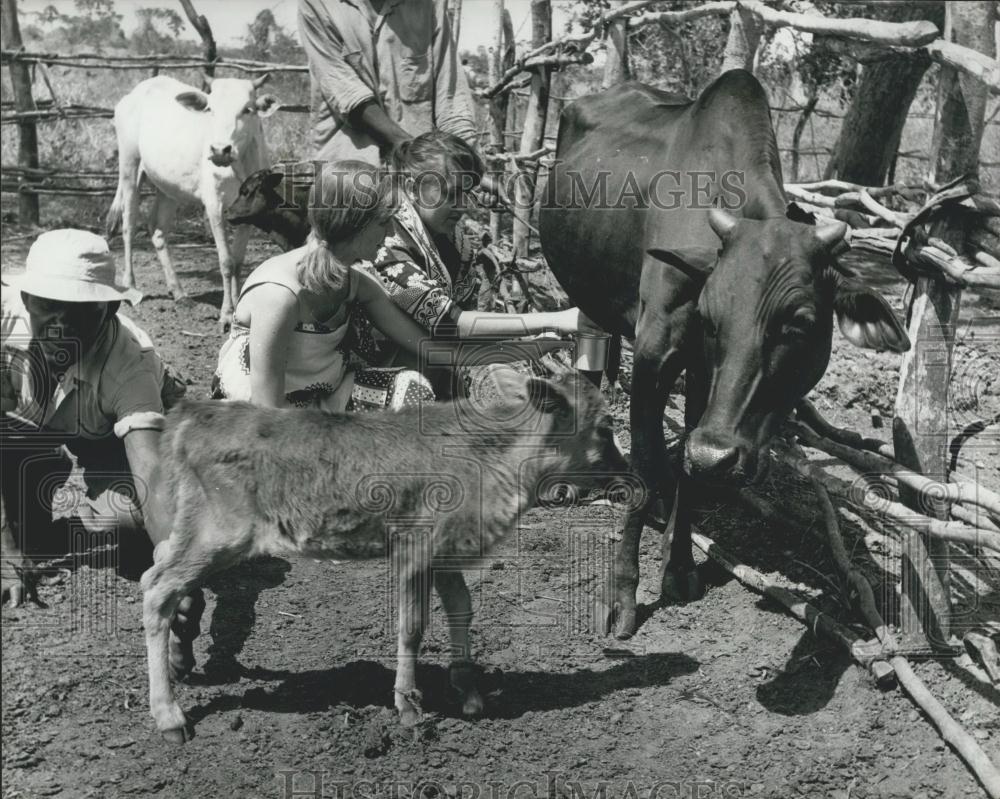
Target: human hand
{"type": "Point", "coordinates": [573, 321]}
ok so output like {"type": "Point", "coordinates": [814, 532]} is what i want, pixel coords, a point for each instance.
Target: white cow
{"type": "Point", "coordinates": [192, 147]}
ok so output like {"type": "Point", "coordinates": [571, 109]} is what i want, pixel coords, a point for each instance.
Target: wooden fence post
{"type": "Point", "coordinates": [535, 119]}
{"type": "Point", "coordinates": [455, 10]}
{"type": "Point", "coordinates": [501, 57]}
{"type": "Point", "coordinates": [20, 80]}
{"type": "Point", "coordinates": [920, 426]}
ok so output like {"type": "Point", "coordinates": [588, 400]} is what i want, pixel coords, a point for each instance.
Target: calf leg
{"type": "Point", "coordinates": [414, 607]}
{"type": "Point", "coordinates": [457, 604]}
{"type": "Point", "coordinates": [161, 222]}
{"type": "Point", "coordinates": [163, 591]}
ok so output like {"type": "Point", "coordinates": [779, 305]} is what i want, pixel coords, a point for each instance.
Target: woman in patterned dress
{"type": "Point", "coordinates": [420, 263]}
{"type": "Point", "coordinates": [286, 347]}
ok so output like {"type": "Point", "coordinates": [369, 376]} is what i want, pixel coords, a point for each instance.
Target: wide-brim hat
{"type": "Point", "coordinates": [71, 266]}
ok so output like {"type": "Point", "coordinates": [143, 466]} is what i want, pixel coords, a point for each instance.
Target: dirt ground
{"type": "Point", "coordinates": [727, 696]}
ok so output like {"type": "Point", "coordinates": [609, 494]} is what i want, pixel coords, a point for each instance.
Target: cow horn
{"type": "Point", "coordinates": [722, 222]}
{"type": "Point", "coordinates": [258, 82]}
{"type": "Point", "coordinates": [831, 234]}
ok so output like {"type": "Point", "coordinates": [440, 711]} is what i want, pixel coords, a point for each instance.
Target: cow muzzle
{"type": "Point", "coordinates": [709, 457]}
{"type": "Point", "coordinates": [221, 154]}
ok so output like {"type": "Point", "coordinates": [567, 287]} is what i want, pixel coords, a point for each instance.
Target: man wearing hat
{"type": "Point", "coordinates": [78, 380]}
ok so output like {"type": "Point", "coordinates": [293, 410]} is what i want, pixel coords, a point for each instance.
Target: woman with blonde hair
{"type": "Point", "coordinates": [286, 347]}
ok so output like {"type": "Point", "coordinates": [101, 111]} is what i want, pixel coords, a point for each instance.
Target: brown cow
{"type": "Point", "coordinates": [239, 481]}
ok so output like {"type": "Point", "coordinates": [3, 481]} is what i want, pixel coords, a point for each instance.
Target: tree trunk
{"type": "Point", "coordinates": [20, 79]}
{"type": "Point", "coordinates": [871, 130]}
{"type": "Point", "coordinates": [800, 126]}
{"type": "Point", "coordinates": [616, 68]}
{"type": "Point", "coordinates": [743, 40]}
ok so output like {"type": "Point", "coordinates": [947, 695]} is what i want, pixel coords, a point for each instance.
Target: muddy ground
{"type": "Point", "coordinates": [727, 696]}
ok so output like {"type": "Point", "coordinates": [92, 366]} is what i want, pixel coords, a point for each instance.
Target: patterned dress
{"type": "Point", "coordinates": [432, 280]}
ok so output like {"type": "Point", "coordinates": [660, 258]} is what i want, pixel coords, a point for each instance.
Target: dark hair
{"type": "Point", "coordinates": [437, 150]}
{"type": "Point", "coordinates": [345, 198]}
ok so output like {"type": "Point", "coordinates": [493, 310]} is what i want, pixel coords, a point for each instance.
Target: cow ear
{"type": "Point", "coordinates": [695, 262]}
{"type": "Point", "coordinates": [865, 318]}
{"type": "Point", "coordinates": [193, 101]}
{"type": "Point", "coordinates": [272, 180]}
{"type": "Point", "coordinates": [266, 105]}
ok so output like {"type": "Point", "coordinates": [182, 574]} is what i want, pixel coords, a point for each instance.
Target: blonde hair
{"type": "Point", "coordinates": [345, 198]}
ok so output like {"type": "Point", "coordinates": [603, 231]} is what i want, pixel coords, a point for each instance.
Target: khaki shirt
{"type": "Point", "coordinates": [114, 388]}
{"type": "Point", "coordinates": [404, 58]}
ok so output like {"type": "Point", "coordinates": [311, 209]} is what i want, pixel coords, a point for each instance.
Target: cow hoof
{"type": "Point", "coordinates": [178, 735]}
{"type": "Point", "coordinates": [473, 704]}
{"type": "Point", "coordinates": [462, 675]}
{"type": "Point", "coordinates": [620, 618]}
{"type": "Point", "coordinates": [686, 586]}
{"type": "Point", "coordinates": [408, 703]}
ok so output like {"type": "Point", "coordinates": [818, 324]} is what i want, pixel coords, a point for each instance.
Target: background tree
{"type": "Point", "coordinates": [872, 128]}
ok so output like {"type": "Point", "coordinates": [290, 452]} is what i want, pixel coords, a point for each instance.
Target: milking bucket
{"type": "Point", "coordinates": [591, 352]}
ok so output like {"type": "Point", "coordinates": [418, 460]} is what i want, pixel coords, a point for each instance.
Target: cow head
{"type": "Point", "coordinates": [235, 111]}
{"type": "Point", "coordinates": [766, 310]}
{"type": "Point", "coordinates": [258, 196]}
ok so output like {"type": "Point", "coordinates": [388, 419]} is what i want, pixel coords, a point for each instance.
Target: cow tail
{"type": "Point", "coordinates": [114, 213]}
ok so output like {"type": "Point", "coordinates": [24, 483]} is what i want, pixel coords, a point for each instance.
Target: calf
{"type": "Point", "coordinates": [239, 481]}
{"type": "Point", "coordinates": [261, 204]}
{"type": "Point", "coordinates": [192, 147]}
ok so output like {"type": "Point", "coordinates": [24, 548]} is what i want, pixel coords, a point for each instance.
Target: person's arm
{"type": "Point", "coordinates": [370, 118]}
{"type": "Point", "coordinates": [273, 315]}
{"type": "Point", "coordinates": [477, 324]}
{"type": "Point", "coordinates": [142, 449]}
{"type": "Point", "coordinates": [338, 82]}
{"type": "Point", "coordinates": [453, 109]}
{"type": "Point", "coordinates": [384, 314]}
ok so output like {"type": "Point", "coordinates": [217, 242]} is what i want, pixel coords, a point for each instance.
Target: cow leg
{"type": "Point", "coordinates": [241, 235]}
{"type": "Point", "coordinates": [457, 604]}
{"type": "Point", "coordinates": [655, 369]}
{"type": "Point", "coordinates": [680, 580]}
{"type": "Point", "coordinates": [218, 226]}
{"type": "Point", "coordinates": [414, 608]}
{"type": "Point", "coordinates": [128, 185]}
{"type": "Point", "coordinates": [161, 222]}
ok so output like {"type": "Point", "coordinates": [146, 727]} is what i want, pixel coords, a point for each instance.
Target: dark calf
{"type": "Point", "coordinates": [263, 203]}
{"type": "Point", "coordinates": [431, 488]}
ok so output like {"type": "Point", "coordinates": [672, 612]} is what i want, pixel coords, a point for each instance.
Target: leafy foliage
{"type": "Point", "coordinates": [94, 26]}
